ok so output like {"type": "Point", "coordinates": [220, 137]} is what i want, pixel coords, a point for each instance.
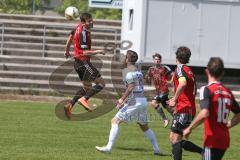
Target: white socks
{"type": "Point", "coordinates": [114, 132]}
{"type": "Point", "coordinates": [112, 136]}
{"type": "Point", "coordinates": [149, 133]}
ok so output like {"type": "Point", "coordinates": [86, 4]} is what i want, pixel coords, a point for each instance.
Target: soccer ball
{"type": "Point", "coordinates": [71, 13]}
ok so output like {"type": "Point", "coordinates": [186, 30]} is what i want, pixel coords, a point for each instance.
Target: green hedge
{"type": "Point", "coordinates": [25, 7]}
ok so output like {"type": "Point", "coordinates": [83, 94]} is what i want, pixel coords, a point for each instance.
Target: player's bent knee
{"type": "Point", "coordinates": [87, 85]}
{"type": "Point", "coordinates": [170, 138]}
{"type": "Point", "coordinates": [154, 103]}
{"type": "Point", "coordinates": [100, 81]}
{"type": "Point", "coordinates": [115, 120]}
{"type": "Point", "coordinates": [175, 138]}
{"type": "Point", "coordinates": [102, 84]}
{"type": "Point", "coordinates": [144, 127]}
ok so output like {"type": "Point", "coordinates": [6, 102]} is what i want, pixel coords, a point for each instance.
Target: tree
{"type": "Point", "coordinates": [25, 7]}
{"type": "Point", "coordinates": [82, 5]}
{"type": "Point", "coordinates": [21, 6]}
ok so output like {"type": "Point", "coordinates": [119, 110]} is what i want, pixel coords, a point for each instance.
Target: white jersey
{"type": "Point", "coordinates": [135, 109]}
{"type": "Point", "coordinates": [135, 77]}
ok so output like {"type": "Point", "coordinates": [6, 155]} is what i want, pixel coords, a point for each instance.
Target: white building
{"type": "Point", "coordinates": [208, 27]}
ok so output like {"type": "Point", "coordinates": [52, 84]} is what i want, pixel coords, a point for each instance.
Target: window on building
{"type": "Point", "coordinates": [130, 23]}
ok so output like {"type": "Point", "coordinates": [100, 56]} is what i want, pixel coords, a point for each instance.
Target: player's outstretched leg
{"type": "Point", "coordinates": [112, 137]}
{"type": "Point", "coordinates": [176, 139]}
{"type": "Point", "coordinates": [159, 109]}
{"type": "Point", "coordinates": [100, 84]}
{"type": "Point", "coordinates": [177, 151]}
{"type": "Point", "coordinates": [186, 145]}
{"type": "Point", "coordinates": [152, 138]}
{"type": "Point", "coordinates": [68, 107]}
{"type": "Point", "coordinates": [189, 146]}
{"type": "Point", "coordinates": [164, 100]}
{"type": "Point", "coordinates": [163, 115]}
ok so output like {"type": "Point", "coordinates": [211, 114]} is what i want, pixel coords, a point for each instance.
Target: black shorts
{"type": "Point", "coordinates": [162, 99]}
{"type": "Point", "coordinates": [86, 71]}
{"type": "Point", "coordinates": [180, 122]}
{"type": "Point", "coordinates": [213, 154]}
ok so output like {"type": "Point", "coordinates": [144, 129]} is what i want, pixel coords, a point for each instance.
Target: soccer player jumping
{"type": "Point", "coordinates": [160, 74]}
{"type": "Point", "coordinates": [132, 106]}
{"type": "Point", "coordinates": [81, 36]}
{"type": "Point", "coordinates": [184, 102]}
{"type": "Point", "coordinates": [216, 102]}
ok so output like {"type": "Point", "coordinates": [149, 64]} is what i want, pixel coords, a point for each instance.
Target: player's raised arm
{"type": "Point", "coordinates": [182, 85]}
{"type": "Point", "coordinates": [128, 91]}
{"type": "Point", "coordinates": [204, 113]}
{"type": "Point", "coordinates": [68, 44]}
{"type": "Point", "coordinates": [130, 87]}
{"type": "Point", "coordinates": [148, 76]}
{"type": "Point", "coordinates": [93, 52]}
{"type": "Point", "coordinates": [169, 74]}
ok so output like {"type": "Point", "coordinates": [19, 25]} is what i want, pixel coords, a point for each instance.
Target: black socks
{"type": "Point", "coordinates": [95, 89]}
{"type": "Point", "coordinates": [161, 112]}
{"type": "Point", "coordinates": [81, 92]}
{"type": "Point", "coordinates": [186, 145]}
{"type": "Point", "coordinates": [177, 151]}
{"type": "Point", "coordinates": [189, 146]}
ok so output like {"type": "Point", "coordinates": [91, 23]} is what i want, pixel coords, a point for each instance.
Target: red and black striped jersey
{"type": "Point", "coordinates": [219, 100]}
{"type": "Point", "coordinates": [82, 41]}
{"type": "Point", "coordinates": [186, 100]}
{"type": "Point", "coordinates": [160, 77]}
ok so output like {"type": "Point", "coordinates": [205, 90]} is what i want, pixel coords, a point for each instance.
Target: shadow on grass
{"type": "Point", "coordinates": [133, 149]}
{"type": "Point", "coordinates": [104, 108]}
{"type": "Point", "coordinates": [143, 150]}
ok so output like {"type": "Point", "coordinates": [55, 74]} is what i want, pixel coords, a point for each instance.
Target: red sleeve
{"type": "Point", "coordinates": [77, 48]}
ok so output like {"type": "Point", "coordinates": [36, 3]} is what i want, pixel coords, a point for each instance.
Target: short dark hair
{"type": "Point", "coordinates": [215, 67]}
{"type": "Point", "coordinates": [183, 54]}
{"type": "Point", "coordinates": [85, 16]}
{"type": "Point", "coordinates": [132, 56]}
{"type": "Point", "coordinates": [157, 55]}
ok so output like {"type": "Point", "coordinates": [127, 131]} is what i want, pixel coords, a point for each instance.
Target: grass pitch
{"type": "Point", "coordinates": [31, 131]}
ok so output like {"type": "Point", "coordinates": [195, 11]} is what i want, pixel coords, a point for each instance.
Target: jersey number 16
{"type": "Point", "coordinates": [223, 111]}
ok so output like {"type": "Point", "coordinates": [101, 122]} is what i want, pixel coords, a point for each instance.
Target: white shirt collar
{"type": "Point", "coordinates": [217, 82]}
